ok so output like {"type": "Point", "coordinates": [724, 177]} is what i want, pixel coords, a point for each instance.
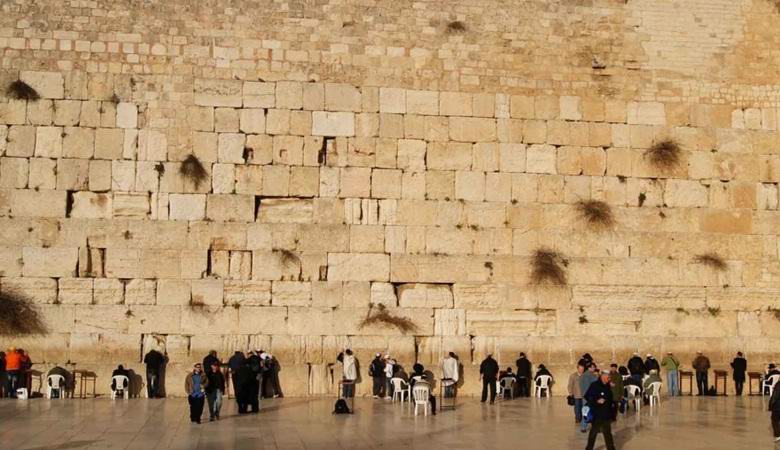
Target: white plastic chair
{"type": "Point", "coordinates": [55, 381]}
{"type": "Point", "coordinates": [400, 389]}
{"type": "Point", "coordinates": [634, 393]}
{"type": "Point", "coordinates": [21, 394]}
{"type": "Point", "coordinates": [506, 384]}
{"type": "Point", "coordinates": [542, 383]}
{"type": "Point", "coordinates": [421, 393]}
{"type": "Point", "coordinates": [121, 383]}
{"type": "Point", "coordinates": [769, 384]}
{"type": "Point", "coordinates": [655, 396]}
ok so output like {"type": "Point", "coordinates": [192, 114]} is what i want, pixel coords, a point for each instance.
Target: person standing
{"type": "Point", "coordinates": [588, 377]}
{"type": "Point", "coordinates": [672, 366]}
{"type": "Point", "coordinates": [348, 373]}
{"type": "Point", "coordinates": [618, 390]}
{"type": "Point", "coordinates": [3, 376]}
{"type": "Point", "coordinates": [701, 364]}
{"type": "Point", "coordinates": [210, 359]}
{"type": "Point", "coordinates": [389, 372]}
{"type": "Point", "coordinates": [774, 406]}
{"type": "Point", "coordinates": [13, 364]}
{"type": "Point", "coordinates": [450, 374]}
{"type": "Point", "coordinates": [194, 385]}
{"type": "Point", "coordinates": [154, 361]}
{"type": "Point", "coordinates": [739, 367]}
{"type": "Point", "coordinates": [523, 376]}
{"type": "Point", "coordinates": [651, 364]}
{"type": "Point", "coordinates": [575, 391]}
{"type": "Point", "coordinates": [600, 401]}
{"type": "Point", "coordinates": [377, 373]}
{"type": "Point", "coordinates": [214, 390]}
{"type": "Point", "coordinates": [488, 371]}
{"type": "Point", "coordinates": [234, 363]}
{"type": "Point", "coordinates": [246, 389]}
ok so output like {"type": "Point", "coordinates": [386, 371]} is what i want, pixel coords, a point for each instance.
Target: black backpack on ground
{"type": "Point", "coordinates": [341, 407]}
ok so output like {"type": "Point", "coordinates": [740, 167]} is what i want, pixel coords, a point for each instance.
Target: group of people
{"type": "Point", "coordinates": [15, 371]}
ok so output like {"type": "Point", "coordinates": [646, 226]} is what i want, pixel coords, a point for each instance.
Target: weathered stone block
{"type": "Point", "coordinates": [358, 267]}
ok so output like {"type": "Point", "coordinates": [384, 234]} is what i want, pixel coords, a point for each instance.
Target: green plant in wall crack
{"type": "Point", "coordinates": [381, 316]}
{"type": "Point", "coordinates": [548, 266]}
{"type": "Point", "coordinates": [20, 90]}
{"type": "Point", "coordinates": [596, 213]}
{"type": "Point", "coordinates": [19, 316]}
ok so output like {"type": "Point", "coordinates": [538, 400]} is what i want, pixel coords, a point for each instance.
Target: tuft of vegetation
{"type": "Point", "coordinates": [714, 312]}
{"type": "Point", "coordinates": [712, 260]}
{"type": "Point", "coordinates": [193, 170]}
{"type": "Point", "coordinates": [598, 214]}
{"type": "Point", "coordinates": [775, 312]}
{"type": "Point", "coordinates": [115, 98]}
{"type": "Point", "coordinates": [456, 27]}
{"type": "Point", "coordinates": [548, 266]}
{"type": "Point", "coordinates": [22, 91]}
{"type": "Point", "coordinates": [682, 310]}
{"type": "Point", "coordinates": [583, 319]}
{"type": "Point", "coordinates": [288, 257]}
{"type": "Point", "coordinates": [381, 316]}
{"type": "Point", "coordinates": [19, 316]}
{"type": "Point", "coordinates": [664, 154]}
{"type": "Point", "coordinates": [159, 168]}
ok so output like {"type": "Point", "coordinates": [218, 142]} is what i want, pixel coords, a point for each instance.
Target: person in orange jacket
{"type": "Point", "coordinates": [13, 365]}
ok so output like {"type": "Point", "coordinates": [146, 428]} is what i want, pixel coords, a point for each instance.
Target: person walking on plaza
{"type": "Point", "coordinates": [637, 368]}
{"type": "Point", "coordinates": [575, 392]}
{"type": "Point", "coordinates": [701, 364]}
{"type": "Point", "coordinates": [154, 361]}
{"type": "Point", "coordinates": [376, 370]}
{"type": "Point", "coordinates": [774, 407]}
{"type": "Point", "coordinates": [672, 366]}
{"type": "Point", "coordinates": [349, 373]}
{"type": "Point", "coordinates": [488, 371]}
{"type": "Point", "coordinates": [599, 399]}
{"type": "Point", "coordinates": [523, 376]}
{"type": "Point", "coordinates": [215, 387]}
{"type": "Point", "coordinates": [194, 385]}
{"type": "Point", "coordinates": [739, 367]}
{"type": "Point", "coordinates": [589, 376]}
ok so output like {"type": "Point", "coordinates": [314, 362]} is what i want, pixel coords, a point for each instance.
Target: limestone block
{"type": "Point", "coordinates": [249, 180]}
{"type": "Point", "coordinates": [289, 95]}
{"type": "Point", "coordinates": [42, 203]}
{"type": "Point", "coordinates": [277, 121]}
{"type": "Point", "coordinates": [685, 193]}
{"type": "Point", "coordinates": [72, 174]}
{"type": "Point", "coordinates": [173, 292]}
{"type": "Point", "coordinates": [422, 102]}
{"type": "Point", "coordinates": [521, 107]}
{"type": "Point", "coordinates": [48, 142]}
{"type": "Point", "coordinates": [91, 205]}
{"type": "Point", "coordinates": [383, 293]}
{"type": "Point", "coordinates": [506, 323]}
{"type": "Point", "coordinates": [259, 94]}
{"type": "Point", "coordinates": [230, 208]}
{"type": "Point", "coordinates": [226, 120]}
{"type": "Point", "coordinates": [50, 262]}
{"type": "Point", "coordinates": [484, 105]}
{"type": "Point", "coordinates": [107, 112]}
{"type": "Point", "coordinates": [285, 211]}
{"type": "Point", "coordinates": [366, 239]}
{"type": "Point", "coordinates": [187, 206]}
{"type": "Point", "coordinates": [541, 159]}
{"type": "Point", "coordinates": [3, 138]}
{"type": "Point", "coordinates": [140, 292]}
{"type": "Point", "coordinates": [10, 262]}
{"type": "Point", "coordinates": [276, 181]}
{"type": "Point", "coordinates": [152, 144]}
{"type": "Point", "coordinates": [570, 108]}
{"type": "Point", "coordinates": [218, 92]}
{"type": "Point", "coordinates": [131, 205]}
{"type": "Point", "coordinates": [304, 181]}
{"type": "Point", "coordinates": [314, 96]}
{"type": "Point", "coordinates": [333, 123]}
{"type": "Point", "coordinates": [355, 182]}
{"type": "Point", "coordinates": [20, 141]}
{"type": "Point", "coordinates": [470, 186]}
{"type": "Point", "coordinates": [157, 319]}
{"type": "Point", "coordinates": [14, 172]}
{"type": "Point", "coordinates": [546, 107]}
{"type": "Point", "coordinates": [14, 112]}
{"type": "Point", "coordinates": [485, 157]}
{"type": "Point", "coordinates": [391, 126]}
{"type": "Point", "coordinates": [78, 142]}
{"type": "Point", "coordinates": [247, 293]}
{"type": "Point", "coordinates": [207, 292]}
{"type": "Point", "coordinates": [411, 154]}
{"type": "Point", "coordinates": [646, 113]}
{"type": "Point", "coordinates": [261, 149]}
{"type": "Point", "coordinates": [449, 322]}
{"type": "Point", "coordinates": [266, 320]}
{"type": "Point", "coordinates": [109, 143]}
{"type": "Point", "coordinates": [290, 293]}
{"type": "Point", "coordinates": [449, 156]}
{"type": "Point", "coordinates": [385, 183]}
{"type": "Point", "coordinates": [340, 97]}
{"type": "Point", "coordinates": [126, 115]}
{"type": "Point", "coordinates": [275, 265]}
{"type": "Point", "coordinates": [468, 129]}
{"type": "Point", "coordinates": [123, 263]}
{"type": "Point", "coordinates": [201, 118]}
{"type": "Point", "coordinates": [358, 267]}
{"type": "Point", "coordinates": [425, 296]}
{"type": "Point", "coordinates": [288, 150]}
{"type": "Point", "coordinates": [437, 269]}
{"type": "Point", "coordinates": [47, 84]}
{"type": "Point", "coordinates": [392, 100]}
{"type": "Point", "coordinates": [38, 290]}
{"type": "Point", "coordinates": [230, 147]}
{"type": "Point", "coordinates": [252, 120]}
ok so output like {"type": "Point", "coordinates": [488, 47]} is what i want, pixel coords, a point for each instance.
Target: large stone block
{"type": "Point", "coordinates": [230, 208]}
{"type": "Point", "coordinates": [333, 124]}
{"type": "Point", "coordinates": [47, 84]}
{"type": "Point", "coordinates": [358, 267]}
{"type": "Point", "coordinates": [50, 262]}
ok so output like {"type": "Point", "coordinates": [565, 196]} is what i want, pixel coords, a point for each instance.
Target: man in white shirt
{"type": "Point", "coordinates": [389, 372]}
{"type": "Point", "coordinates": [349, 373]}
{"type": "Point", "coordinates": [450, 374]}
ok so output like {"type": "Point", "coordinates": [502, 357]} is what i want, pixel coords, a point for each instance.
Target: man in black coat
{"type": "Point", "coordinates": [523, 376]}
{"type": "Point", "coordinates": [651, 364]}
{"type": "Point", "coordinates": [234, 363]}
{"type": "Point", "coordinates": [155, 361]}
{"type": "Point", "coordinates": [599, 399]}
{"type": "Point", "coordinates": [488, 371]}
{"type": "Point", "coordinates": [637, 368]}
{"type": "Point", "coordinates": [774, 406]}
{"type": "Point", "coordinates": [246, 389]}
{"type": "Point", "coordinates": [377, 372]}
{"type": "Point", "coordinates": [739, 367]}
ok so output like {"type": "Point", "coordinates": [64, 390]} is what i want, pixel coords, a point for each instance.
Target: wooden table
{"type": "Point", "coordinates": [724, 375]}
{"type": "Point", "coordinates": [754, 376]}
{"type": "Point", "coordinates": [82, 377]}
{"type": "Point", "coordinates": [686, 374]}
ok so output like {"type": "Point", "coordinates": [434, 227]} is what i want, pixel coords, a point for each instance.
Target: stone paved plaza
{"type": "Point", "coordinates": [296, 423]}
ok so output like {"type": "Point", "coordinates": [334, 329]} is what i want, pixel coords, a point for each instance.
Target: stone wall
{"type": "Point", "coordinates": [398, 153]}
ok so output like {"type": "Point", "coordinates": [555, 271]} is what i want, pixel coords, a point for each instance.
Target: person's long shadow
{"type": "Point", "coordinates": [283, 404]}
{"type": "Point", "coordinates": [65, 445]}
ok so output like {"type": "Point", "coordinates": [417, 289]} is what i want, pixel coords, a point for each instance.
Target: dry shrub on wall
{"type": "Point", "coordinates": [22, 91]}
{"type": "Point", "coordinates": [193, 170]}
{"type": "Point", "coordinates": [456, 27]}
{"type": "Point", "coordinates": [380, 316]}
{"type": "Point", "coordinates": [598, 214]}
{"type": "Point", "coordinates": [664, 154]}
{"type": "Point", "coordinates": [287, 257]}
{"type": "Point", "coordinates": [712, 260]}
{"type": "Point", "coordinates": [548, 266]}
{"type": "Point", "coordinates": [19, 316]}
